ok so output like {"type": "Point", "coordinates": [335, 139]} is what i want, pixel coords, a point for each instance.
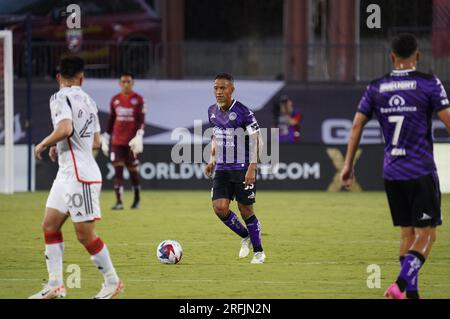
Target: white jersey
{"type": "Point", "coordinates": [75, 158]}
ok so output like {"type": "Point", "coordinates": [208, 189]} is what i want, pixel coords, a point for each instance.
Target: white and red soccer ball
{"type": "Point", "coordinates": [169, 252]}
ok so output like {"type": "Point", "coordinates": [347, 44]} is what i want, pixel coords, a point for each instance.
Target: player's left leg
{"type": "Point", "coordinates": [84, 210]}
{"type": "Point", "coordinates": [245, 197]}
{"type": "Point", "coordinates": [414, 260]}
{"type": "Point", "coordinates": [407, 238]}
{"type": "Point", "coordinates": [118, 187]}
{"type": "Point", "coordinates": [425, 215]}
{"type": "Point", "coordinates": [100, 256]}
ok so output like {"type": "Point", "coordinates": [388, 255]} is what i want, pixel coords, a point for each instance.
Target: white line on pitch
{"type": "Point", "coordinates": [347, 282]}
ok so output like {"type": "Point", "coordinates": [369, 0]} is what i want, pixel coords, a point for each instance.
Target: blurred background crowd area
{"type": "Point", "coordinates": [290, 40]}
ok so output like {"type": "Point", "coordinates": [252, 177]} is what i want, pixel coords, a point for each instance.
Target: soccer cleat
{"type": "Point", "coordinates": [109, 291]}
{"type": "Point", "coordinates": [50, 292]}
{"type": "Point", "coordinates": [245, 247]}
{"type": "Point", "coordinates": [258, 258]}
{"type": "Point", "coordinates": [118, 206]}
{"type": "Point", "coordinates": [135, 204]}
{"type": "Point", "coordinates": [394, 292]}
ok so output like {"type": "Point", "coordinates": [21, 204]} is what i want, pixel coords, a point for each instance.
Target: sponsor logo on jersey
{"type": "Point", "coordinates": [396, 100]}
{"type": "Point", "coordinates": [398, 86]}
{"type": "Point", "coordinates": [397, 104]}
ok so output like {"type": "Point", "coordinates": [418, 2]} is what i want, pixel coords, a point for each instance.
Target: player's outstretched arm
{"type": "Point", "coordinates": [444, 115]}
{"type": "Point", "coordinates": [62, 131]}
{"type": "Point", "coordinates": [355, 136]}
{"type": "Point", "coordinates": [209, 169]}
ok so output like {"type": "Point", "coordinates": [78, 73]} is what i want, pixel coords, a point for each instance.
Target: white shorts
{"type": "Point", "coordinates": [81, 201]}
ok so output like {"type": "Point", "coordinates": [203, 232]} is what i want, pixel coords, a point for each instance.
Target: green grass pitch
{"type": "Point", "coordinates": [318, 245]}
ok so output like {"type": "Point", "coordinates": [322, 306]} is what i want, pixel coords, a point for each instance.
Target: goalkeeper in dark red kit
{"type": "Point", "coordinates": [125, 129]}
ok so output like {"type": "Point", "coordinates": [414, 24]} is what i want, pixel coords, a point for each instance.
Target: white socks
{"type": "Point", "coordinates": [54, 260]}
{"type": "Point", "coordinates": [100, 256]}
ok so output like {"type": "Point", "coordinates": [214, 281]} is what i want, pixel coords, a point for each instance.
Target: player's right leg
{"type": "Point", "coordinates": [132, 164]}
{"type": "Point", "coordinates": [221, 194]}
{"type": "Point", "coordinates": [54, 245]}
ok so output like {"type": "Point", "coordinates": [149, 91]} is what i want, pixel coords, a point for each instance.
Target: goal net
{"type": "Point", "coordinates": [6, 114]}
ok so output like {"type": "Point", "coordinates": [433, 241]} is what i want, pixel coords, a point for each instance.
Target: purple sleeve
{"type": "Point", "coordinates": [366, 103]}
{"type": "Point", "coordinates": [438, 96]}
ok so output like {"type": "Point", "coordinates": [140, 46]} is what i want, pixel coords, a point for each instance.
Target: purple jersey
{"type": "Point", "coordinates": [403, 102]}
{"type": "Point", "coordinates": [230, 130]}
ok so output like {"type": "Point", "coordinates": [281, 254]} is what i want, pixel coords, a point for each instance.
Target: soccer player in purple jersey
{"type": "Point", "coordinates": [235, 147]}
{"type": "Point", "coordinates": [403, 102]}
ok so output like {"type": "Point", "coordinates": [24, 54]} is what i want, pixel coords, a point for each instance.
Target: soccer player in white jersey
{"type": "Point", "coordinates": [76, 188]}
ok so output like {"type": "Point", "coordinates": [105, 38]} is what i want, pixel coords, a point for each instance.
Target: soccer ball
{"type": "Point", "coordinates": [169, 252]}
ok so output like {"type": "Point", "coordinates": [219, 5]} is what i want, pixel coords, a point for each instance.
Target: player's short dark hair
{"type": "Point", "coordinates": [284, 98]}
{"type": "Point", "coordinates": [131, 75]}
{"type": "Point", "coordinates": [70, 67]}
{"type": "Point", "coordinates": [224, 76]}
{"type": "Point", "coordinates": [404, 45]}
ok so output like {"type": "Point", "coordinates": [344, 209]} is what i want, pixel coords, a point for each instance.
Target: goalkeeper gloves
{"type": "Point", "coordinates": [104, 140]}
{"type": "Point", "coordinates": [137, 143]}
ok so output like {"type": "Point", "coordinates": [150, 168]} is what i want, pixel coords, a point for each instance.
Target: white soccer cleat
{"type": "Point", "coordinates": [109, 291]}
{"type": "Point", "coordinates": [258, 258]}
{"type": "Point", "coordinates": [50, 292]}
{"type": "Point", "coordinates": [246, 244]}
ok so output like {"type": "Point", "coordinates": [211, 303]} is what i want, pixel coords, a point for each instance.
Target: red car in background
{"type": "Point", "coordinates": [115, 35]}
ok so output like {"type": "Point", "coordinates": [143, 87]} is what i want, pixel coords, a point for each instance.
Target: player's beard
{"type": "Point", "coordinates": [222, 104]}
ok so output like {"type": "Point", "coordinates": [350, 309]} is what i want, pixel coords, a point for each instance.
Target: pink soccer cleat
{"type": "Point", "coordinates": [394, 292]}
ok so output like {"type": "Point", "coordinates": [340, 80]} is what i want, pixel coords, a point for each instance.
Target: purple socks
{"type": "Point", "coordinates": [409, 274]}
{"type": "Point", "coordinates": [232, 221]}
{"type": "Point", "coordinates": [254, 230]}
